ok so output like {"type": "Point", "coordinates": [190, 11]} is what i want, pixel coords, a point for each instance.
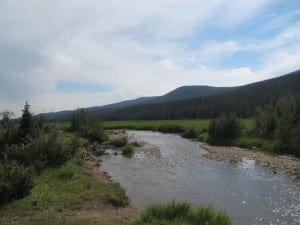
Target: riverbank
{"type": "Point", "coordinates": [236, 154]}
{"type": "Point", "coordinates": [76, 193]}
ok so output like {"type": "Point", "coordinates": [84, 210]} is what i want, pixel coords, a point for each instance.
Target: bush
{"type": "Point", "coordinates": [128, 150]}
{"type": "Point", "coordinates": [224, 129]}
{"type": "Point", "coordinates": [118, 201]}
{"type": "Point", "coordinates": [47, 150]}
{"type": "Point", "coordinates": [87, 125]}
{"type": "Point", "coordinates": [119, 141]}
{"type": "Point", "coordinates": [170, 211]}
{"type": "Point", "coordinates": [190, 133]}
{"type": "Point", "coordinates": [181, 213]}
{"type": "Point", "coordinates": [281, 123]}
{"type": "Point", "coordinates": [172, 128]}
{"type": "Point", "coordinates": [265, 121]}
{"type": "Point", "coordinates": [15, 182]}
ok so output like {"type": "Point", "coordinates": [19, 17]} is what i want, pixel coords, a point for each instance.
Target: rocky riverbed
{"type": "Point", "coordinates": [235, 154]}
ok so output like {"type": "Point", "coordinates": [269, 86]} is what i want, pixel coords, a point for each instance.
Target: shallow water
{"type": "Point", "coordinates": [251, 194]}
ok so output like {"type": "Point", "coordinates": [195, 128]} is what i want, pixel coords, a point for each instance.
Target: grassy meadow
{"type": "Point", "coordinates": [198, 124]}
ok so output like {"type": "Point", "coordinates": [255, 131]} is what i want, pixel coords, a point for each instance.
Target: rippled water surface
{"type": "Point", "coordinates": [249, 193]}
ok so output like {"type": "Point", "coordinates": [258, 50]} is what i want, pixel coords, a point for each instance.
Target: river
{"type": "Point", "coordinates": [249, 193]}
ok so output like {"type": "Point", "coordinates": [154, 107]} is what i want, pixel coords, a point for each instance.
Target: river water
{"type": "Point", "coordinates": [249, 193]}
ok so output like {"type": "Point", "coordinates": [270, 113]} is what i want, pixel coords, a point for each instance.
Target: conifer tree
{"type": "Point", "coordinates": [26, 125]}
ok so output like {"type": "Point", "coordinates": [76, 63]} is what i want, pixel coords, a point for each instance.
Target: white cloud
{"type": "Point", "coordinates": [137, 47]}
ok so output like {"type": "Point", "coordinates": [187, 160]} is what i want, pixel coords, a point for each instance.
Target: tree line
{"type": "Point", "coordinates": [278, 122]}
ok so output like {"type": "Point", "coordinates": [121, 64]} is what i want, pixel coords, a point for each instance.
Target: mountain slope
{"type": "Point", "coordinates": [243, 100]}
{"type": "Point", "coordinates": [188, 92]}
{"type": "Point", "coordinates": [196, 101]}
{"type": "Point", "coordinates": [181, 93]}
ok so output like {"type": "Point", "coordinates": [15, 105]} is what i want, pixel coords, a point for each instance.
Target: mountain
{"type": "Point", "coordinates": [181, 93]}
{"type": "Point", "coordinates": [242, 100]}
{"type": "Point", "coordinates": [197, 101]}
{"type": "Point", "coordinates": [188, 92]}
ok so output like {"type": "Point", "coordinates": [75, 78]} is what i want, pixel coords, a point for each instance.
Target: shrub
{"type": "Point", "coordinates": [87, 125]}
{"type": "Point", "coordinates": [170, 211]}
{"type": "Point", "coordinates": [128, 150]}
{"type": "Point", "coordinates": [27, 127]}
{"type": "Point", "coordinates": [224, 129]}
{"type": "Point", "coordinates": [265, 121]}
{"type": "Point", "coordinates": [190, 133]}
{"type": "Point", "coordinates": [281, 123]}
{"type": "Point", "coordinates": [181, 213]}
{"type": "Point", "coordinates": [47, 150]}
{"type": "Point", "coordinates": [15, 182]}
{"type": "Point", "coordinates": [119, 141]}
{"type": "Point", "coordinates": [118, 201]}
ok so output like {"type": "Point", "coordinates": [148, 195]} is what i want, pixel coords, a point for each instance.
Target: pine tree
{"type": "Point", "coordinates": [26, 125]}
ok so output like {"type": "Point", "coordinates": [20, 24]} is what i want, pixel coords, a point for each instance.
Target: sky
{"type": "Point", "coordinates": [62, 54]}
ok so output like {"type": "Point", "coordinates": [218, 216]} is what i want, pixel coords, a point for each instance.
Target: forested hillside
{"type": "Point", "coordinates": [196, 101]}
{"type": "Point", "coordinates": [242, 100]}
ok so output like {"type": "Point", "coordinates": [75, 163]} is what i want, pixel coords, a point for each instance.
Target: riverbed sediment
{"type": "Point", "coordinates": [236, 154]}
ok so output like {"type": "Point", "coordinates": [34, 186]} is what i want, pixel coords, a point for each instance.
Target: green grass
{"type": "Point", "coordinates": [179, 213]}
{"type": "Point", "coordinates": [56, 218]}
{"type": "Point", "coordinates": [256, 142]}
{"type": "Point", "coordinates": [155, 124]}
{"type": "Point", "coordinates": [127, 150]}
{"type": "Point", "coordinates": [66, 188]}
{"type": "Point", "coordinates": [62, 125]}
{"type": "Point", "coordinates": [198, 124]}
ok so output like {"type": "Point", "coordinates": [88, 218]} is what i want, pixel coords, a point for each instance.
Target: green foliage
{"type": "Point", "coordinates": [155, 124]}
{"type": "Point", "coordinates": [87, 125]}
{"type": "Point", "coordinates": [265, 121]}
{"type": "Point", "coordinates": [128, 150]}
{"type": "Point", "coordinates": [15, 182]}
{"type": "Point", "coordinates": [44, 151]}
{"type": "Point", "coordinates": [190, 133]}
{"type": "Point", "coordinates": [224, 129]}
{"type": "Point", "coordinates": [8, 129]}
{"type": "Point", "coordinates": [288, 124]}
{"type": "Point", "coordinates": [171, 128]}
{"type": "Point", "coordinates": [256, 143]}
{"type": "Point", "coordinates": [27, 128]}
{"type": "Point", "coordinates": [65, 188]}
{"type": "Point", "coordinates": [176, 213]}
{"type": "Point", "coordinates": [118, 198]}
{"type": "Point", "coordinates": [119, 141]}
{"type": "Point", "coordinates": [170, 211]}
{"type": "Point", "coordinates": [55, 218]}
{"type": "Point", "coordinates": [281, 123]}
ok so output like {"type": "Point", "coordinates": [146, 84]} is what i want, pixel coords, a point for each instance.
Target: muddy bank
{"type": "Point", "coordinates": [235, 154]}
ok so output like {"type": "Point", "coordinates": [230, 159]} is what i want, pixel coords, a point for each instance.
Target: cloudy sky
{"type": "Point", "coordinates": [62, 54]}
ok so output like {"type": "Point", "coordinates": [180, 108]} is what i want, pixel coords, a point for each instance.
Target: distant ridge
{"type": "Point", "coordinates": [181, 93]}
{"type": "Point", "coordinates": [197, 101]}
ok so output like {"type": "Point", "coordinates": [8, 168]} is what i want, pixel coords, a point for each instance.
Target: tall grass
{"type": "Point", "coordinates": [128, 150]}
{"type": "Point", "coordinates": [181, 213]}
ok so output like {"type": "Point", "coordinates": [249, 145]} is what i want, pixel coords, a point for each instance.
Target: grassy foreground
{"type": "Point", "coordinates": [60, 194]}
